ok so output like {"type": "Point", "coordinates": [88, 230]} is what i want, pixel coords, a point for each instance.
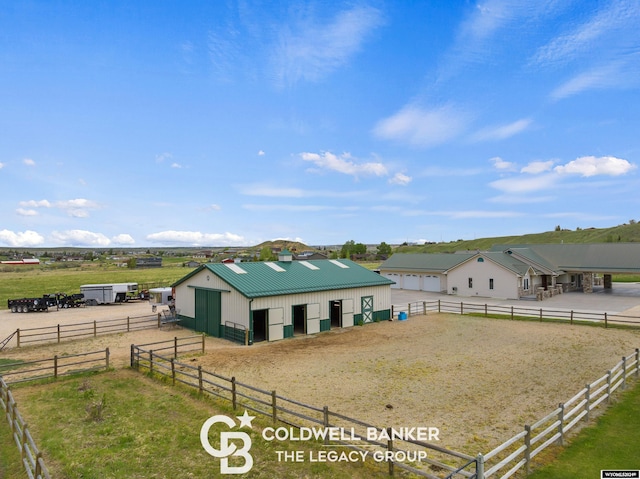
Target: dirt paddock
{"type": "Point", "coordinates": [477, 380]}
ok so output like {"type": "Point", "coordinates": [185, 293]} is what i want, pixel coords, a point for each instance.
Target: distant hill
{"type": "Point", "coordinates": [293, 246]}
{"type": "Point", "coordinates": [626, 233]}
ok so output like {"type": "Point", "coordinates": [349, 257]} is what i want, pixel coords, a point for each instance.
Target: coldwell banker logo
{"type": "Point", "coordinates": [229, 441]}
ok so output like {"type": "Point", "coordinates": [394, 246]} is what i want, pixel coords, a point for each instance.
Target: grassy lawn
{"type": "Point", "coordinates": [611, 444]}
{"type": "Point", "coordinates": [121, 424]}
{"type": "Point", "coordinates": [36, 281]}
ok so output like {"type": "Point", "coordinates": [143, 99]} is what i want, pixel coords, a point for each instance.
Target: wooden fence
{"type": "Point", "coordinates": [513, 312]}
{"type": "Point", "coordinates": [516, 453]}
{"type": "Point", "coordinates": [55, 367]}
{"type": "Point", "coordinates": [60, 332]}
{"type": "Point", "coordinates": [439, 463]}
{"type": "Point", "coordinates": [31, 456]}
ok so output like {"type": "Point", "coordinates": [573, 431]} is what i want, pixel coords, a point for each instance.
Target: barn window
{"type": "Point", "coordinates": [480, 260]}
{"type": "Point", "coordinates": [490, 283]}
{"type": "Point", "coordinates": [470, 282]}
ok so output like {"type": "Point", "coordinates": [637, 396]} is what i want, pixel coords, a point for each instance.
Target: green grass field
{"type": "Point", "coordinates": [30, 281]}
{"type": "Point", "coordinates": [610, 444]}
{"type": "Point", "coordinates": [146, 428]}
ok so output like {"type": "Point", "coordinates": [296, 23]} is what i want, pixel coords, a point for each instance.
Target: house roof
{"type": "Point", "coordinates": [430, 262]}
{"type": "Point", "coordinates": [275, 278]}
{"type": "Point", "coordinates": [584, 257]}
{"type": "Point", "coordinates": [506, 261]}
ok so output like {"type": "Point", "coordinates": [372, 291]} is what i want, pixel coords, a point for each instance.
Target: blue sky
{"type": "Point", "coordinates": [200, 123]}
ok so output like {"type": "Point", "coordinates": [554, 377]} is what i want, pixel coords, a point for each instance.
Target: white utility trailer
{"type": "Point", "coordinates": [160, 297]}
{"type": "Point", "coordinates": [95, 294]}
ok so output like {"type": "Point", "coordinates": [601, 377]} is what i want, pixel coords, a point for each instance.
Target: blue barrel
{"type": "Point", "coordinates": [402, 316]}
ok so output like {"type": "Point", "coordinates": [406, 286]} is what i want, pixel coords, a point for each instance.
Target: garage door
{"type": "Point", "coordinates": [430, 283]}
{"type": "Point", "coordinates": [411, 282]}
{"type": "Point", "coordinates": [393, 277]}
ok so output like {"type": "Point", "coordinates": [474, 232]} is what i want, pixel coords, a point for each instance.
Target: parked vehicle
{"type": "Point", "coordinates": [70, 300]}
{"type": "Point", "coordinates": [25, 305]}
{"type": "Point", "coordinates": [160, 297]}
{"type": "Point", "coordinates": [95, 294]}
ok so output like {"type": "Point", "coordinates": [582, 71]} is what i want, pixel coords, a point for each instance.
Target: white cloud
{"type": "Point", "coordinates": [400, 179]}
{"type": "Point", "coordinates": [29, 162]}
{"type": "Point", "coordinates": [500, 164]}
{"type": "Point", "coordinates": [344, 164]}
{"type": "Point", "coordinates": [176, 165]}
{"type": "Point", "coordinates": [526, 184]}
{"type": "Point", "coordinates": [273, 191]}
{"type": "Point", "coordinates": [310, 50]}
{"type": "Point", "coordinates": [77, 208]}
{"type": "Point", "coordinates": [502, 132]}
{"type": "Point", "coordinates": [214, 207]}
{"type": "Point", "coordinates": [123, 239]}
{"type": "Point", "coordinates": [24, 212]}
{"type": "Point", "coordinates": [196, 238]}
{"type": "Point", "coordinates": [613, 75]}
{"type": "Point", "coordinates": [261, 153]}
{"type": "Point", "coordinates": [536, 167]}
{"type": "Point", "coordinates": [421, 127]}
{"type": "Point", "coordinates": [163, 156]}
{"type": "Point", "coordinates": [289, 208]}
{"type": "Point", "coordinates": [80, 238]}
{"type": "Point", "coordinates": [1, 165]}
{"type": "Point", "coordinates": [35, 204]}
{"type": "Point", "coordinates": [20, 239]}
{"type": "Point", "coordinates": [591, 166]}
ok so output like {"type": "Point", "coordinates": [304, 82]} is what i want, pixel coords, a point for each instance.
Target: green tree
{"type": "Point", "coordinates": [266, 254]}
{"type": "Point", "coordinates": [347, 249]}
{"type": "Point", "coordinates": [384, 249]}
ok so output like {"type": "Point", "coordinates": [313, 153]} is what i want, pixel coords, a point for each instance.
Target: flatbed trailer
{"type": "Point", "coordinates": [25, 305]}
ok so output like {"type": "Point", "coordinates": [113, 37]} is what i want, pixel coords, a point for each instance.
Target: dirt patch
{"type": "Point", "coordinates": [478, 380]}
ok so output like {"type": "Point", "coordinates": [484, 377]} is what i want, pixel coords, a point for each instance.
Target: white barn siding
{"type": "Point", "coordinates": [505, 284]}
{"type": "Point", "coordinates": [236, 307]}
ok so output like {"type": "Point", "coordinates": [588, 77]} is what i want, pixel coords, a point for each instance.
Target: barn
{"type": "Point", "coordinates": [272, 300]}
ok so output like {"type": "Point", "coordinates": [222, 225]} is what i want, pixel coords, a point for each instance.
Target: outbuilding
{"type": "Point", "coordinates": [272, 300]}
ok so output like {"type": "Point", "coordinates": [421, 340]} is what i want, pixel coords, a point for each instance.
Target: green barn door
{"type": "Point", "coordinates": [366, 303]}
{"type": "Point", "coordinates": [208, 312]}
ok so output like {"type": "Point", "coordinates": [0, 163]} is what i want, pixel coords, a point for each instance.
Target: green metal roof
{"type": "Point", "coordinates": [427, 262]}
{"type": "Point", "coordinates": [585, 257]}
{"type": "Point", "coordinates": [274, 278]}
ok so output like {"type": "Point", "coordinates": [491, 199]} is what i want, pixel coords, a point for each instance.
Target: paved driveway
{"type": "Point", "coordinates": [622, 298]}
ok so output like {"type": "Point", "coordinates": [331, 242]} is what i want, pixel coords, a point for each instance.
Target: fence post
{"type": "Point", "coordinates": [95, 328]}
{"type": "Point", "coordinates": [540, 314]}
{"type": "Point", "coordinates": [131, 361]}
{"type": "Point", "coordinates": [587, 396]}
{"type": "Point", "coordinates": [571, 320]}
{"type": "Point", "coordinates": [234, 397]}
{"type": "Point", "coordinates": [151, 361]}
{"type": "Point", "coordinates": [439, 306]}
{"type": "Point", "coordinates": [18, 336]}
{"type": "Point", "coordinates": [173, 371]}
{"type": "Point", "coordinates": [58, 333]}
{"type": "Point", "coordinates": [608, 386]}
{"type": "Point", "coordinates": [246, 337]}
{"type": "Point", "coordinates": [23, 443]}
{"type": "Point", "coordinates": [480, 466]}
{"type": "Point", "coordinates": [624, 373]}
{"type": "Point", "coordinates": [527, 449]}
{"type": "Point", "coordinates": [561, 425]}
{"type": "Point", "coordinates": [200, 388]}
{"type": "Point", "coordinates": [106, 351]}
{"type": "Point", "coordinates": [390, 448]}
{"type": "Point", "coordinates": [424, 307]}
{"type": "Point", "coordinates": [408, 310]}
{"type": "Point", "coordinates": [325, 421]}
{"type": "Point", "coordinates": [485, 310]}
{"type": "Point", "coordinates": [55, 367]}
{"type": "Point", "coordinates": [128, 324]}
{"type": "Point", "coordinates": [605, 320]}
{"type": "Point", "coordinates": [38, 471]}
{"type": "Point", "coordinates": [274, 410]}
{"type": "Point", "coordinates": [175, 347]}
{"type": "Point", "coordinates": [203, 342]}
{"type": "Point", "coordinates": [512, 312]}
{"type": "Point", "coordinates": [461, 307]}
{"type": "Point", "coordinates": [637, 362]}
